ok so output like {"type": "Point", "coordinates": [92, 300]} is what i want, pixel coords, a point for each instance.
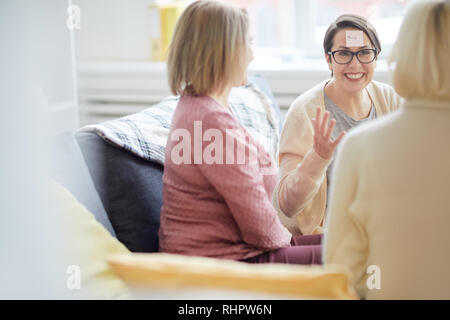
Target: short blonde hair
{"type": "Point", "coordinates": [420, 56]}
{"type": "Point", "coordinates": [208, 48]}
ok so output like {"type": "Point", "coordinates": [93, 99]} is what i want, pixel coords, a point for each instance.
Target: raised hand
{"type": "Point", "coordinates": [323, 145]}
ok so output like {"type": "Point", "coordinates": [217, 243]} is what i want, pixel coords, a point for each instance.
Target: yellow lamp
{"type": "Point", "coordinates": [163, 18]}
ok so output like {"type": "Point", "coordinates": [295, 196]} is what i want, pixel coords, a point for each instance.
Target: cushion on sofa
{"type": "Point", "coordinates": [168, 271]}
{"type": "Point", "coordinates": [87, 248]}
{"type": "Point", "coordinates": [130, 189]}
{"type": "Point", "coordinates": [67, 167]}
{"type": "Point", "coordinates": [145, 133]}
{"type": "Point", "coordinates": [262, 85]}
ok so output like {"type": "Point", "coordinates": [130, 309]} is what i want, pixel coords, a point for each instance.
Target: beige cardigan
{"type": "Point", "coordinates": [302, 175]}
{"type": "Point", "coordinates": [388, 218]}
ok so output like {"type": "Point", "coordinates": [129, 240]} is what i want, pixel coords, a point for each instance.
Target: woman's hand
{"type": "Point", "coordinates": [323, 145]}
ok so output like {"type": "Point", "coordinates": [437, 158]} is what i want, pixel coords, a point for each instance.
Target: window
{"type": "Point", "coordinates": [287, 31]}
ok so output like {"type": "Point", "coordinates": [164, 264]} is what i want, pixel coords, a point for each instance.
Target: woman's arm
{"type": "Point", "coordinates": [345, 240]}
{"type": "Point", "coordinates": [301, 177]}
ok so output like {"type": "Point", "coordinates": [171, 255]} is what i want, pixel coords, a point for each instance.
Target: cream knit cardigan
{"type": "Point", "coordinates": [389, 211]}
{"type": "Point", "coordinates": [305, 175]}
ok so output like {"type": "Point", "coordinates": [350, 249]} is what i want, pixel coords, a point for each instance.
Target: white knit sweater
{"type": "Point", "coordinates": [391, 206]}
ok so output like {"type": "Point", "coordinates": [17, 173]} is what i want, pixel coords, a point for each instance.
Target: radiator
{"type": "Point", "coordinates": [109, 90]}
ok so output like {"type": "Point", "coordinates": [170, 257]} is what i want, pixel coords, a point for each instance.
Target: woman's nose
{"type": "Point", "coordinates": [355, 62]}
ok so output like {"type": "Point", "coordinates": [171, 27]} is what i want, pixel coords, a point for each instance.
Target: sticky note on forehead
{"type": "Point", "coordinates": [355, 38]}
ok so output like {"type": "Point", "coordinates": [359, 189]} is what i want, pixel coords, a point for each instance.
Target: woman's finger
{"type": "Point", "coordinates": [313, 120]}
{"type": "Point", "coordinates": [336, 142]}
{"type": "Point", "coordinates": [330, 129]}
{"type": "Point", "coordinates": [324, 124]}
{"type": "Point", "coordinates": [317, 119]}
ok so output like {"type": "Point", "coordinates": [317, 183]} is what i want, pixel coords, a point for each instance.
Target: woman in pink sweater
{"type": "Point", "coordinates": [218, 181]}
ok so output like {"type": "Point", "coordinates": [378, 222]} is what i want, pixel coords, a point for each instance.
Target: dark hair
{"type": "Point", "coordinates": [351, 21]}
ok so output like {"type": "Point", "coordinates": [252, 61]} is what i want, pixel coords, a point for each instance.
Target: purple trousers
{"type": "Point", "coordinates": [303, 250]}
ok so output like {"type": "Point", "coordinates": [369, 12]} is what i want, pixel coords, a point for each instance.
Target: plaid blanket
{"type": "Point", "coordinates": [145, 133]}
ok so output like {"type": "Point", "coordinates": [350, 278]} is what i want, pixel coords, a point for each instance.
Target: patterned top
{"type": "Point", "coordinates": [214, 203]}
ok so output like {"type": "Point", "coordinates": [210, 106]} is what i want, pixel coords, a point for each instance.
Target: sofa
{"type": "Point", "coordinates": [123, 191]}
{"type": "Point", "coordinates": [124, 194]}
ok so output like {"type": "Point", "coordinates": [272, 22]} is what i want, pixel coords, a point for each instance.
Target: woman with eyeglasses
{"type": "Point", "coordinates": [308, 140]}
{"type": "Point", "coordinates": [389, 211]}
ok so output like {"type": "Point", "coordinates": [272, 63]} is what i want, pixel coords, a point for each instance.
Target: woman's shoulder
{"type": "Point", "coordinates": [201, 108]}
{"type": "Point", "coordinates": [384, 95]}
{"type": "Point", "coordinates": [309, 100]}
{"type": "Point", "coordinates": [382, 87]}
{"type": "Point", "coordinates": [192, 103]}
{"type": "Point", "coordinates": [305, 104]}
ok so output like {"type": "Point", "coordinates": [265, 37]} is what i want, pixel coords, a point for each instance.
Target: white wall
{"type": "Point", "coordinates": [113, 51]}
{"type": "Point", "coordinates": [115, 30]}
{"type": "Point", "coordinates": [54, 70]}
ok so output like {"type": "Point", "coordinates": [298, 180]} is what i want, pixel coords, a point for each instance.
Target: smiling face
{"type": "Point", "coordinates": [354, 76]}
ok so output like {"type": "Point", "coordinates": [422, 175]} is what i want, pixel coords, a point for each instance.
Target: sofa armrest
{"type": "Point", "coordinates": [67, 166]}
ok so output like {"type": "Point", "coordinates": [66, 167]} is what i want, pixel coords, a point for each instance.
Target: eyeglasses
{"type": "Point", "coordinates": [364, 56]}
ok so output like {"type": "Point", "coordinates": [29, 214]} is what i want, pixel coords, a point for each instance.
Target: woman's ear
{"type": "Point", "coordinates": [328, 59]}
{"type": "Point", "coordinates": [329, 62]}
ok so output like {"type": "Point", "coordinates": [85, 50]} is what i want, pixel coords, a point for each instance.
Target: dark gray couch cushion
{"type": "Point", "coordinates": [130, 189]}
{"type": "Point", "coordinates": [69, 169]}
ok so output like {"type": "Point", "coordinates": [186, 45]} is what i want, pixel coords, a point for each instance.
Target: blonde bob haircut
{"type": "Point", "coordinates": [208, 48]}
{"type": "Point", "coordinates": [420, 56]}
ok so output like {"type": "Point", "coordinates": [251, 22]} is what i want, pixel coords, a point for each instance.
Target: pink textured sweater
{"type": "Point", "coordinates": [215, 204]}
